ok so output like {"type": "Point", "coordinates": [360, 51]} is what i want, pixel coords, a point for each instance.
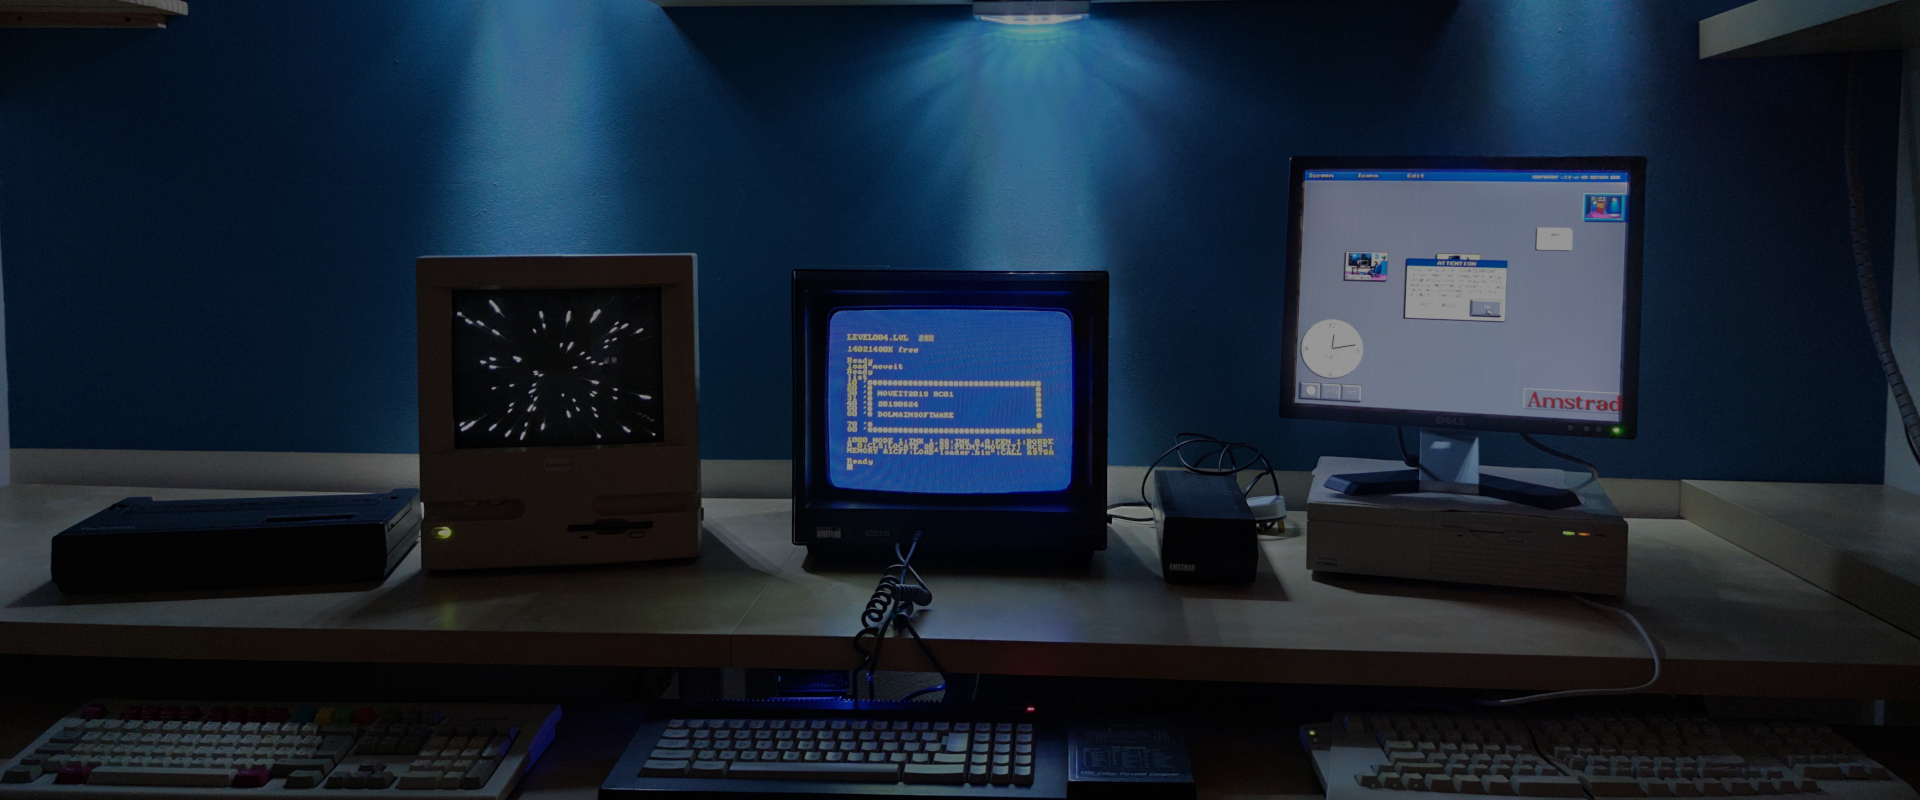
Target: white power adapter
{"type": "Point", "coordinates": [1268, 507]}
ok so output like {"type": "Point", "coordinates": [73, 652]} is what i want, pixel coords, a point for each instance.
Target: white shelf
{"type": "Point", "coordinates": [1795, 27]}
{"type": "Point", "coordinates": [89, 13]}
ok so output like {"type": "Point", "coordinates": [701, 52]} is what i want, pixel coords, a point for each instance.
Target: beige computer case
{"type": "Point", "coordinates": [546, 506]}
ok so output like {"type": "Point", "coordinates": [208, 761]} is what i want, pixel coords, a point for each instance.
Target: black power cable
{"type": "Point", "coordinates": [1863, 265]}
{"type": "Point", "coordinates": [1412, 459]}
{"type": "Point", "coordinates": [1229, 458]}
{"type": "Point", "coordinates": [1593, 472]}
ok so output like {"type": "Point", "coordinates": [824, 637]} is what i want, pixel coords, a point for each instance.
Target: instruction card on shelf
{"type": "Point", "coordinates": [1456, 289]}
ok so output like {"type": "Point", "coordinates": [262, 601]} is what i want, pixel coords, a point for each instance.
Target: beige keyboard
{"type": "Point", "coordinates": [125, 750]}
{"type": "Point", "coordinates": [1382, 756]}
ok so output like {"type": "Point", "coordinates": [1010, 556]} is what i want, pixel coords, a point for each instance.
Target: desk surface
{"type": "Point", "coordinates": [1727, 622]}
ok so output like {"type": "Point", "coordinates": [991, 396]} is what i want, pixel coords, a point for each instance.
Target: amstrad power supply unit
{"type": "Point", "coordinates": [1467, 539]}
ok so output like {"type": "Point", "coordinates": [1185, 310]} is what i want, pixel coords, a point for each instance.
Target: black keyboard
{"type": "Point", "coordinates": [830, 747]}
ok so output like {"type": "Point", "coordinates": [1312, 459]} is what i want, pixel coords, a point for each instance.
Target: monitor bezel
{"type": "Point", "coordinates": [818, 294]}
{"type": "Point", "coordinates": [1628, 424]}
{"type": "Point", "coordinates": [449, 472]}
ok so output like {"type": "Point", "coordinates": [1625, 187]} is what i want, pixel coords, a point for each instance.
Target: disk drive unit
{"type": "Point", "coordinates": [1468, 540]}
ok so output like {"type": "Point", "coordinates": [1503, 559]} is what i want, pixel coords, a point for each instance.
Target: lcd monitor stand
{"type": "Point", "coordinates": [1449, 462]}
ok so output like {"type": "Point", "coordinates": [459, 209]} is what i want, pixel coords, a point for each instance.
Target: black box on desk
{"type": "Point", "coordinates": [1128, 759]}
{"type": "Point", "coordinates": [140, 544]}
{"type": "Point", "coordinates": [1207, 535]}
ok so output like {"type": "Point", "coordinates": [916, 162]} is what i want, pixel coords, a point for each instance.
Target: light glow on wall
{"type": "Point", "coordinates": [1030, 12]}
{"type": "Point", "coordinates": [1029, 19]}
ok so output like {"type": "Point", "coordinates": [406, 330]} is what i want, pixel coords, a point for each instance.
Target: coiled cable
{"type": "Point", "coordinates": [1863, 269]}
{"type": "Point", "coordinates": [892, 605]}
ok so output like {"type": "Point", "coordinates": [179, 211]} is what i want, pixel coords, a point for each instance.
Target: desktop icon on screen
{"type": "Point", "coordinates": [1606, 208]}
{"type": "Point", "coordinates": [1366, 267]}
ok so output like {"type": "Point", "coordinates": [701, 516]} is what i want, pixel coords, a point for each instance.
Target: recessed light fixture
{"type": "Point", "coordinates": [1030, 12]}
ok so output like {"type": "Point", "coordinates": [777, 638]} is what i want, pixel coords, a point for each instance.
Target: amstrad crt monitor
{"type": "Point", "coordinates": [968, 407]}
{"type": "Point", "coordinates": [1463, 295]}
{"type": "Point", "coordinates": [559, 412]}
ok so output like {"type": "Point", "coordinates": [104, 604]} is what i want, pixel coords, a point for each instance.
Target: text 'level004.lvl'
{"type": "Point", "coordinates": [952, 401]}
{"type": "Point", "coordinates": [556, 367]}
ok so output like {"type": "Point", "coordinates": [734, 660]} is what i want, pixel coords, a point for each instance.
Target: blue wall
{"type": "Point", "coordinates": [209, 231]}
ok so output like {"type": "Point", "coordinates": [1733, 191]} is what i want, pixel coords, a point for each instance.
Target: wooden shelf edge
{"type": "Point", "coordinates": [1799, 27]}
{"type": "Point", "coordinates": [89, 13]}
{"type": "Point", "coordinates": [1852, 573]}
{"type": "Point", "coordinates": [81, 19]}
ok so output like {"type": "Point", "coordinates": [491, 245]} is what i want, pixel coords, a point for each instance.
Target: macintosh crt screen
{"type": "Point", "coordinates": [950, 400]}
{"type": "Point", "coordinates": [556, 367]}
{"type": "Point", "coordinates": [1453, 291]}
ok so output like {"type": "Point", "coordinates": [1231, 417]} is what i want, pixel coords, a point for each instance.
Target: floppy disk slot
{"type": "Point", "coordinates": [310, 518]}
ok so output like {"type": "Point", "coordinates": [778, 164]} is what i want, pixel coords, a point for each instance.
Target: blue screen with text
{"type": "Point", "coordinates": [950, 400]}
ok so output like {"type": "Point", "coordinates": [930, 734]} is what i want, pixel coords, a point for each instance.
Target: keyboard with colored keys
{"type": "Point", "coordinates": [122, 749]}
{"type": "Point", "coordinates": [921, 749]}
{"type": "Point", "coordinates": [1388, 756]}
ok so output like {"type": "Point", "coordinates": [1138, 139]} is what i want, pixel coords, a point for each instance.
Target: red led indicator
{"type": "Point", "coordinates": [1029, 709]}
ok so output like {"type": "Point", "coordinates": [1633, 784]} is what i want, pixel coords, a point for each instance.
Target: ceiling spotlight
{"type": "Point", "coordinates": [1030, 12]}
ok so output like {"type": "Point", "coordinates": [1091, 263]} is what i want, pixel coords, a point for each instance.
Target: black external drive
{"type": "Point", "coordinates": [1127, 759]}
{"type": "Point", "coordinates": [1207, 534]}
{"type": "Point", "coordinates": [140, 544]}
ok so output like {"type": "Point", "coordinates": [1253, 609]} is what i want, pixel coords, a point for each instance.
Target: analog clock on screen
{"type": "Point", "coordinates": [1331, 348]}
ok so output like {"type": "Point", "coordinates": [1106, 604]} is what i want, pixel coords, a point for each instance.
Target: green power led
{"type": "Point", "coordinates": [1566, 533]}
{"type": "Point", "coordinates": [447, 533]}
{"type": "Point", "coordinates": [1617, 430]}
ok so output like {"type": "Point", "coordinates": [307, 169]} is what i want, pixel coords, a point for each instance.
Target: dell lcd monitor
{"type": "Point", "coordinates": [559, 410]}
{"type": "Point", "coordinates": [1462, 295]}
{"type": "Point", "coordinates": [969, 408]}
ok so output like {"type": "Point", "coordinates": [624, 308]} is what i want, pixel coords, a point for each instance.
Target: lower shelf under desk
{"type": "Point", "coordinates": [1237, 752]}
{"type": "Point", "coordinates": [1235, 757]}
{"type": "Point", "coordinates": [1729, 623]}
{"type": "Point", "coordinates": [1232, 757]}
